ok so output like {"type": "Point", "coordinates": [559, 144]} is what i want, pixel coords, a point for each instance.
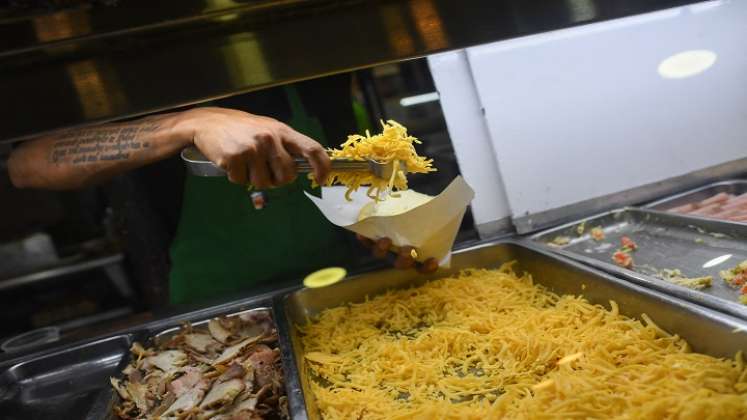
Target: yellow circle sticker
{"type": "Point", "coordinates": [324, 277]}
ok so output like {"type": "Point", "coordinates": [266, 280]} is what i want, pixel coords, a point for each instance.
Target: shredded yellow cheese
{"type": "Point", "coordinates": [570, 358]}
{"type": "Point", "coordinates": [392, 145]}
{"type": "Point", "coordinates": [490, 344]}
{"type": "Point", "coordinates": [544, 384]}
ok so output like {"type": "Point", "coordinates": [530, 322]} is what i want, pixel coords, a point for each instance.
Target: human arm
{"type": "Point", "coordinates": [249, 147]}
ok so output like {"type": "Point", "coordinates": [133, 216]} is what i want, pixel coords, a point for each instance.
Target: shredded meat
{"type": "Point", "coordinates": [200, 342]}
{"type": "Point", "coordinates": [227, 369]}
{"type": "Point", "coordinates": [222, 393]}
{"type": "Point", "coordinates": [218, 331]}
{"type": "Point", "coordinates": [263, 361]}
{"type": "Point", "coordinates": [235, 370]}
{"type": "Point", "coordinates": [184, 383]}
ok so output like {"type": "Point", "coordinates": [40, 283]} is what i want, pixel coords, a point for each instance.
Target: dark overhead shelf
{"type": "Point", "coordinates": [96, 63]}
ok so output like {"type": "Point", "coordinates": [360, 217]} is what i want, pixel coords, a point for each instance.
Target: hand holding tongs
{"type": "Point", "coordinates": [199, 165]}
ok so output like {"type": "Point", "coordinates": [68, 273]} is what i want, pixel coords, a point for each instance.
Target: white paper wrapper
{"type": "Point", "coordinates": [431, 227]}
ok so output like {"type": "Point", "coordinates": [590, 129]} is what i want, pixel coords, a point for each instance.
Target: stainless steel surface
{"type": "Point", "coordinates": [62, 270]}
{"type": "Point", "coordinates": [63, 384]}
{"type": "Point", "coordinates": [199, 165]}
{"type": "Point", "coordinates": [164, 319]}
{"type": "Point", "coordinates": [732, 186]}
{"type": "Point", "coordinates": [95, 318]}
{"type": "Point", "coordinates": [546, 219]}
{"type": "Point", "coordinates": [378, 169]}
{"type": "Point", "coordinates": [495, 229]}
{"type": "Point", "coordinates": [88, 64]}
{"type": "Point", "coordinates": [34, 252]}
{"type": "Point", "coordinates": [167, 334]}
{"type": "Point", "coordinates": [665, 241]}
{"type": "Point", "coordinates": [706, 330]}
{"type": "Point", "coordinates": [30, 339]}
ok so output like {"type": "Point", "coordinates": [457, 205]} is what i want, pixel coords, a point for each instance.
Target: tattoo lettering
{"type": "Point", "coordinates": [100, 144]}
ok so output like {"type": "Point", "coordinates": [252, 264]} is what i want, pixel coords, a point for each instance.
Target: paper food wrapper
{"type": "Point", "coordinates": [431, 227]}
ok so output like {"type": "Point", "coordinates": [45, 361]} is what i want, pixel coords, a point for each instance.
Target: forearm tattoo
{"type": "Point", "coordinates": [101, 144]}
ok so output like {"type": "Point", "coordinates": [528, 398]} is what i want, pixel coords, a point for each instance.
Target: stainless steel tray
{"type": "Point", "coordinates": [696, 246]}
{"type": "Point", "coordinates": [67, 381]}
{"type": "Point", "coordinates": [734, 186]}
{"type": "Point", "coordinates": [706, 330]}
{"type": "Point", "coordinates": [167, 334]}
{"type": "Point", "coordinates": [74, 377]}
{"type": "Point", "coordinates": [103, 407]}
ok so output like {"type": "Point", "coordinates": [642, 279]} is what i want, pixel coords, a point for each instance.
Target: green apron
{"type": "Point", "coordinates": [224, 245]}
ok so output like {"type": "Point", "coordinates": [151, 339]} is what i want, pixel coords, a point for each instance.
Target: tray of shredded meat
{"type": "Point", "coordinates": [699, 260]}
{"type": "Point", "coordinates": [509, 331]}
{"type": "Point", "coordinates": [223, 368]}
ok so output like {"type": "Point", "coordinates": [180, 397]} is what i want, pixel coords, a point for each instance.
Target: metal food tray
{"type": "Point", "coordinates": [696, 246]}
{"type": "Point", "coordinates": [707, 331]}
{"type": "Point", "coordinates": [167, 334]}
{"type": "Point", "coordinates": [75, 379]}
{"type": "Point", "coordinates": [162, 336]}
{"type": "Point", "coordinates": [734, 186]}
{"type": "Point", "coordinates": [67, 381]}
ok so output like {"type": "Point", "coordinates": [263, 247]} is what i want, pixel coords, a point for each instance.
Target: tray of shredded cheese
{"type": "Point", "coordinates": [508, 331]}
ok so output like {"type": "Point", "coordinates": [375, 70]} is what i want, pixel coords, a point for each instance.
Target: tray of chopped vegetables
{"type": "Point", "coordinates": [701, 260]}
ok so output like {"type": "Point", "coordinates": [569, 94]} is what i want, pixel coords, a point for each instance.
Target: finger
{"type": "Point", "coordinates": [429, 266]}
{"type": "Point", "coordinates": [236, 171]}
{"type": "Point", "coordinates": [320, 162]}
{"type": "Point", "coordinates": [380, 253]}
{"type": "Point", "coordinates": [300, 145]}
{"type": "Point", "coordinates": [366, 242]}
{"type": "Point", "coordinates": [408, 251]}
{"type": "Point", "coordinates": [381, 247]}
{"type": "Point", "coordinates": [259, 173]}
{"type": "Point", "coordinates": [384, 244]}
{"type": "Point", "coordinates": [281, 163]}
{"type": "Point", "coordinates": [403, 262]}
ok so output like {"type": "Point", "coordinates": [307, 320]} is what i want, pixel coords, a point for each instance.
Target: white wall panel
{"type": "Point", "coordinates": [471, 140]}
{"type": "Point", "coordinates": [581, 113]}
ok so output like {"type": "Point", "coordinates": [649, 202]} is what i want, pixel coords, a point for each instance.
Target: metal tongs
{"type": "Point", "coordinates": [199, 165]}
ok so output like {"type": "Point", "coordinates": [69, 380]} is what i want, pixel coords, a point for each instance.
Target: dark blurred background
{"type": "Point", "coordinates": [98, 257]}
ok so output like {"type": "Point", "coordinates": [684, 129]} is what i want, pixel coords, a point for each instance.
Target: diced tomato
{"type": "Point", "coordinates": [623, 259]}
{"type": "Point", "coordinates": [628, 243]}
{"type": "Point", "coordinates": [743, 290]}
{"type": "Point", "coordinates": [738, 280]}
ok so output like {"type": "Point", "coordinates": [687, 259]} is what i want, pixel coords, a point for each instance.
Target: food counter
{"type": "Point", "coordinates": [680, 268]}
{"type": "Point", "coordinates": [76, 378]}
